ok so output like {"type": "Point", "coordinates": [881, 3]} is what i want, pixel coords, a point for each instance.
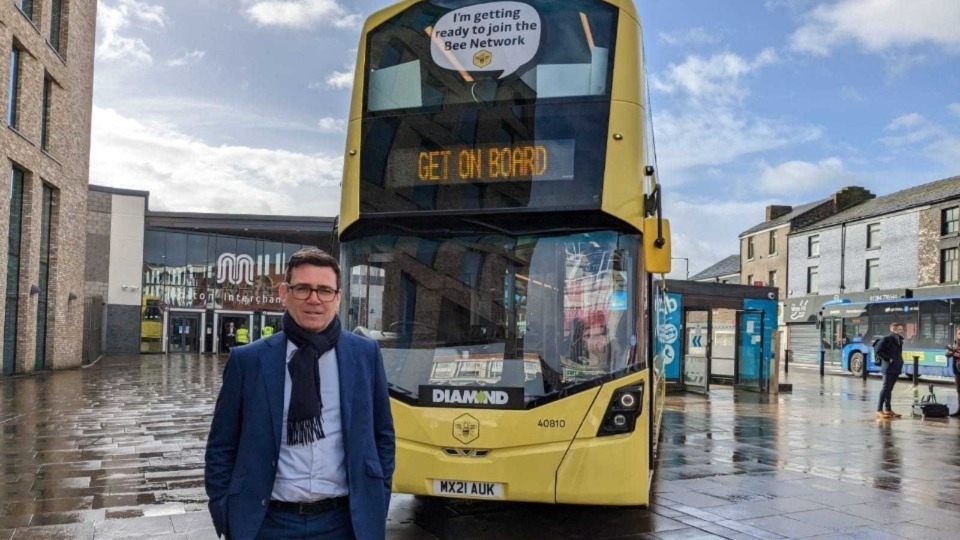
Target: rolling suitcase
{"type": "Point", "coordinates": [928, 407]}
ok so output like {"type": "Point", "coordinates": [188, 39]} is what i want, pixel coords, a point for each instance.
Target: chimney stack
{"type": "Point", "coordinates": [774, 211]}
{"type": "Point", "coordinates": [850, 196]}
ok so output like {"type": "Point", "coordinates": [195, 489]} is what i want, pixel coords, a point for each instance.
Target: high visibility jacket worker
{"type": "Point", "coordinates": [243, 336]}
{"type": "Point", "coordinates": [267, 331]}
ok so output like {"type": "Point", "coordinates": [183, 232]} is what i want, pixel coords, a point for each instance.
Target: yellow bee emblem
{"type": "Point", "coordinates": [482, 59]}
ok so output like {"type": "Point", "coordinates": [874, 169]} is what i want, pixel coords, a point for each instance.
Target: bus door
{"type": "Point", "coordinates": [696, 360]}
{"type": "Point", "coordinates": [750, 371]}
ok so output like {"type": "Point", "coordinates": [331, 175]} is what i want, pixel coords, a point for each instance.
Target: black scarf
{"type": "Point", "coordinates": [304, 422]}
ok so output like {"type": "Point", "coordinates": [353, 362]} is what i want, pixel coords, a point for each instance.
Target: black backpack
{"type": "Point", "coordinates": [876, 346]}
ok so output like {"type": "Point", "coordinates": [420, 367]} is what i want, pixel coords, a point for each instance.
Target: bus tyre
{"type": "Point", "coordinates": [856, 363]}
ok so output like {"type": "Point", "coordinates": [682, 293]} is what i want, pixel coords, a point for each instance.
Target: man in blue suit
{"type": "Point", "coordinates": [302, 442]}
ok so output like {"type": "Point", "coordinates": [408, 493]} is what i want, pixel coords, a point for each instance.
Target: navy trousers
{"type": "Point", "coordinates": [331, 525]}
{"type": "Point", "coordinates": [886, 393]}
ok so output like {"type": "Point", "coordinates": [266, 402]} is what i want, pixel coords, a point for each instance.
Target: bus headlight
{"type": "Point", "coordinates": [625, 406]}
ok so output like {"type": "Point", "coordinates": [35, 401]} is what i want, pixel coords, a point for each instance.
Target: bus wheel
{"type": "Point", "coordinates": [856, 363]}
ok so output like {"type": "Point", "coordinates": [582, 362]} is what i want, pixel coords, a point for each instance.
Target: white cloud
{"type": "Point", "coordinates": [714, 79]}
{"type": "Point", "coordinates": [700, 137]}
{"type": "Point", "coordinates": [693, 36]}
{"type": "Point", "coordinates": [954, 108]}
{"type": "Point", "coordinates": [332, 125]}
{"type": "Point", "coordinates": [915, 131]}
{"type": "Point", "coordinates": [705, 246]}
{"type": "Point", "coordinates": [342, 80]}
{"type": "Point", "coordinates": [879, 25]}
{"type": "Point", "coordinates": [185, 174]}
{"type": "Point", "coordinates": [115, 19]}
{"type": "Point", "coordinates": [191, 57]}
{"type": "Point", "coordinates": [799, 177]}
{"type": "Point", "coordinates": [301, 14]}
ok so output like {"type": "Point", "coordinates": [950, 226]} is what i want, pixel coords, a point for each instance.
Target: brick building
{"type": "Point", "coordinates": [47, 101]}
{"type": "Point", "coordinates": [902, 245]}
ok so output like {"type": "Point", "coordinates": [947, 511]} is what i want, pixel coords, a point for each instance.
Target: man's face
{"type": "Point", "coordinates": [312, 314]}
{"type": "Point", "coordinates": [898, 329]}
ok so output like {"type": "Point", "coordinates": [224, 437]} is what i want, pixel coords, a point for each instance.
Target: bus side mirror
{"type": "Point", "coordinates": [656, 245]}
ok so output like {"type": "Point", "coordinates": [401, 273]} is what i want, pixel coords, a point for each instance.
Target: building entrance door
{"type": "Point", "coordinates": [227, 325]}
{"type": "Point", "coordinates": [184, 333]}
{"type": "Point", "coordinates": [271, 322]}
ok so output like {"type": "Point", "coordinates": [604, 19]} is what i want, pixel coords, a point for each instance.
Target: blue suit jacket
{"type": "Point", "coordinates": [244, 442]}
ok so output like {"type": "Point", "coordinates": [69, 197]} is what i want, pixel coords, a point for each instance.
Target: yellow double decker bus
{"type": "Point", "coordinates": [499, 227]}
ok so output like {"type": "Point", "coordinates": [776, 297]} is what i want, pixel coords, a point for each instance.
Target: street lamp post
{"type": "Point", "coordinates": [686, 262]}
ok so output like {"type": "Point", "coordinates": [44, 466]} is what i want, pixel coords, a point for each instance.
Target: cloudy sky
{"type": "Point", "coordinates": [239, 106]}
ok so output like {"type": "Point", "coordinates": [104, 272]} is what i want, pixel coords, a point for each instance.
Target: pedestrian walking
{"type": "Point", "coordinates": [953, 353]}
{"type": "Point", "coordinates": [290, 405]}
{"type": "Point", "coordinates": [890, 352]}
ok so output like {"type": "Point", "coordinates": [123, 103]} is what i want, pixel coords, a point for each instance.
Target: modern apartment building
{"type": "Point", "coordinates": [45, 149]}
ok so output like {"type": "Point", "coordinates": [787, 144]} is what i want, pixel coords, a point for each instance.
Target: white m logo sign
{"type": "Point", "coordinates": [237, 269]}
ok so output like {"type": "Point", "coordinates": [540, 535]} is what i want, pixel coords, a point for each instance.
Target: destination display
{"type": "Point", "coordinates": [462, 164]}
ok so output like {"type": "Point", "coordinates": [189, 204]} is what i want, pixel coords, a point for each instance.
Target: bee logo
{"type": "Point", "coordinates": [466, 428]}
{"type": "Point", "coordinates": [482, 59]}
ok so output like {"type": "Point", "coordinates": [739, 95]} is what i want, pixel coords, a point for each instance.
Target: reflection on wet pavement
{"type": "Point", "coordinates": [116, 451]}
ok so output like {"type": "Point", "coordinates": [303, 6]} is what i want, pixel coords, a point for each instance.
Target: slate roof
{"type": "Point", "coordinates": [933, 192]}
{"type": "Point", "coordinates": [726, 267]}
{"type": "Point", "coordinates": [796, 212]}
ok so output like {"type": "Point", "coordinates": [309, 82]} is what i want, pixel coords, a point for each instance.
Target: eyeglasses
{"type": "Point", "coordinates": [302, 291]}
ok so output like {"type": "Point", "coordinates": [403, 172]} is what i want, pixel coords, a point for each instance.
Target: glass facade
{"type": "Point", "coordinates": [44, 277]}
{"type": "Point", "coordinates": [203, 272]}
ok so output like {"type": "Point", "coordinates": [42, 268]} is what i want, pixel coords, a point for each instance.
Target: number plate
{"type": "Point", "coordinates": [458, 488]}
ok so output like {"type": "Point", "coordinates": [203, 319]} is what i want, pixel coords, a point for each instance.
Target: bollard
{"type": "Point", "coordinates": [916, 370]}
{"type": "Point", "coordinates": [786, 360]}
{"type": "Point", "coordinates": [822, 355]}
{"type": "Point", "coordinates": [866, 369]}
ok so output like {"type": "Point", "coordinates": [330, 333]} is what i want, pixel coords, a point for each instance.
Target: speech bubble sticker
{"type": "Point", "coordinates": [487, 37]}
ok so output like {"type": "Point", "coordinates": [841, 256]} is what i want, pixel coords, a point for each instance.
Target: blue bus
{"type": "Point", "coordinates": [848, 329]}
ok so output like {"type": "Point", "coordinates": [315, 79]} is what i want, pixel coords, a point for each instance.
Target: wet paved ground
{"type": "Point", "coordinates": [116, 451]}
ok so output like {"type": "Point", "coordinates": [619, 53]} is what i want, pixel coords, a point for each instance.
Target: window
{"type": "Point", "coordinates": [772, 279]}
{"type": "Point", "coordinates": [873, 274]}
{"type": "Point", "coordinates": [56, 25]}
{"type": "Point", "coordinates": [749, 247]}
{"type": "Point", "coordinates": [813, 280]}
{"type": "Point", "coordinates": [45, 114]}
{"type": "Point", "coordinates": [11, 313]}
{"type": "Point", "coordinates": [750, 279]}
{"type": "Point", "coordinates": [873, 235]}
{"type": "Point", "coordinates": [44, 279]}
{"type": "Point", "coordinates": [813, 246]}
{"type": "Point", "coordinates": [773, 242]}
{"type": "Point", "coordinates": [26, 6]}
{"type": "Point", "coordinates": [950, 220]}
{"type": "Point", "coordinates": [14, 87]}
{"type": "Point", "coordinates": [949, 259]}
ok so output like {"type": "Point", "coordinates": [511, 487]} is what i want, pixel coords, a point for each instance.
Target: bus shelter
{"type": "Point", "coordinates": [715, 332]}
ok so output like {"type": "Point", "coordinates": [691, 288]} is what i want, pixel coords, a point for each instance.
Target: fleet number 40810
{"type": "Point", "coordinates": [552, 423]}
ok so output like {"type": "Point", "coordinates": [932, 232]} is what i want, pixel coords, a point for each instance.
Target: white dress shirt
{"type": "Point", "coordinates": [318, 471]}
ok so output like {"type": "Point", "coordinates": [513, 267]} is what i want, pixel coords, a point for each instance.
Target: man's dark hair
{"type": "Point", "coordinates": [893, 325]}
{"type": "Point", "coordinates": [314, 257]}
